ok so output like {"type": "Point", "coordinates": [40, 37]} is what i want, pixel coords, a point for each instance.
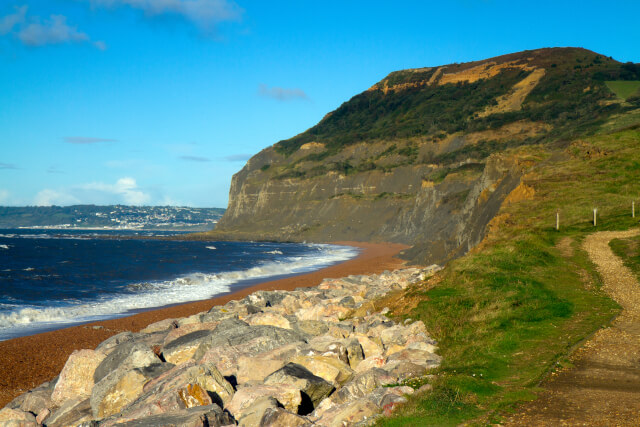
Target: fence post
{"type": "Point", "coordinates": [633, 209]}
{"type": "Point", "coordinates": [557, 220]}
{"type": "Point", "coordinates": [595, 213]}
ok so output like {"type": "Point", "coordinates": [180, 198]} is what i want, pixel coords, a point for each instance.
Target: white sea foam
{"type": "Point", "coordinates": [192, 287]}
{"type": "Point", "coordinates": [4, 246]}
{"type": "Point", "coordinates": [274, 252]}
{"type": "Point", "coordinates": [213, 248]}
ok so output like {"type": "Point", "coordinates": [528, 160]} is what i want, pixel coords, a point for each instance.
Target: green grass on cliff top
{"type": "Point", "coordinates": [509, 313]}
{"type": "Point", "coordinates": [624, 89]}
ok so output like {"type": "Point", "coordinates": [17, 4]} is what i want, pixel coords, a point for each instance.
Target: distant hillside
{"type": "Point", "coordinates": [424, 157]}
{"type": "Point", "coordinates": [111, 217]}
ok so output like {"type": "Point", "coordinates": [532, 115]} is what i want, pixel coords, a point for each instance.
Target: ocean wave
{"type": "Point", "coordinates": [191, 287]}
{"type": "Point", "coordinates": [213, 248]}
{"type": "Point", "coordinates": [4, 246]}
{"type": "Point", "coordinates": [274, 252]}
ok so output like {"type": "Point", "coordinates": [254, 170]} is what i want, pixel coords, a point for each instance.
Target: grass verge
{"type": "Point", "coordinates": [511, 310]}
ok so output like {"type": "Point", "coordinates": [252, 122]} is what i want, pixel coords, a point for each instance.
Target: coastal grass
{"type": "Point", "coordinates": [624, 88]}
{"type": "Point", "coordinates": [512, 310]}
{"type": "Point", "coordinates": [629, 251]}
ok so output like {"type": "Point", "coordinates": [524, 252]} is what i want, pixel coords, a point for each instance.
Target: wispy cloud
{"type": "Point", "coordinates": [4, 195]}
{"type": "Point", "coordinates": [195, 158]}
{"type": "Point", "coordinates": [238, 157]}
{"type": "Point", "coordinates": [9, 21]}
{"type": "Point", "coordinates": [204, 13]}
{"type": "Point", "coordinates": [86, 140]}
{"type": "Point", "coordinates": [281, 93]}
{"type": "Point", "coordinates": [53, 169]}
{"type": "Point", "coordinates": [8, 166]}
{"type": "Point", "coordinates": [35, 32]}
{"type": "Point", "coordinates": [48, 197]}
{"type": "Point", "coordinates": [124, 191]}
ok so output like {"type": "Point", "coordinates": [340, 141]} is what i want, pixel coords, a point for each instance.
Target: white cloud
{"type": "Point", "coordinates": [35, 32]}
{"type": "Point", "coordinates": [125, 188]}
{"type": "Point", "coordinates": [281, 93]}
{"type": "Point", "coordinates": [48, 197]}
{"type": "Point", "coordinates": [4, 196]}
{"type": "Point", "coordinates": [52, 31]}
{"type": "Point", "coordinates": [8, 22]}
{"type": "Point", "coordinates": [204, 13]}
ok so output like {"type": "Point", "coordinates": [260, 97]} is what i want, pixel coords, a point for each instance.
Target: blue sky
{"type": "Point", "coordinates": [162, 101]}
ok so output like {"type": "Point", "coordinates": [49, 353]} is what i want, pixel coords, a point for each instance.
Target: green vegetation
{"type": "Point", "coordinates": [624, 89]}
{"type": "Point", "coordinates": [629, 251]}
{"type": "Point", "coordinates": [567, 97]}
{"type": "Point", "coordinates": [440, 174]}
{"type": "Point", "coordinates": [508, 314]}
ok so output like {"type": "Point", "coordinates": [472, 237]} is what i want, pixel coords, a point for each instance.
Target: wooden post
{"type": "Point", "coordinates": [633, 209]}
{"type": "Point", "coordinates": [557, 220]}
{"type": "Point", "coordinates": [595, 213]}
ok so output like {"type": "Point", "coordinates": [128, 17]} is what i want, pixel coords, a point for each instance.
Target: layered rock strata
{"type": "Point", "coordinates": [308, 357]}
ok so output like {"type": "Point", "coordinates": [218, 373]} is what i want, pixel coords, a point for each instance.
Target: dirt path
{"type": "Point", "coordinates": [603, 387]}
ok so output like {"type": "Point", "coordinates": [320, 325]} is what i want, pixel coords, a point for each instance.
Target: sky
{"type": "Point", "coordinates": [160, 102]}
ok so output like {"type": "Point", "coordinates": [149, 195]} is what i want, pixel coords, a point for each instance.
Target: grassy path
{"type": "Point", "coordinates": [603, 386]}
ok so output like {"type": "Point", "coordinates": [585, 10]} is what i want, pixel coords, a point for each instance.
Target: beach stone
{"type": "Point", "coordinates": [369, 347]}
{"type": "Point", "coordinates": [183, 348]}
{"type": "Point", "coordinates": [349, 414]}
{"type": "Point", "coordinates": [355, 354]}
{"type": "Point", "coordinates": [71, 413]}
{"type": "Point", "coordinates": [278, 417]}
{"type": "Point", "coordinates": [381, 394]}
{"type": "Point", "coordinates": [327, 313]}
{"type": "Point", "coordinates": [330, 369]}
{"type": "Point", "coordinates": [326, 345]}
{"type": "Point", "coordinates": [36, 400]}
{"type": "Point", "coordinates": [16, 418]}
{"type": "Point", "coordinates": [253, 414]}
{"type": "Point", "coordinates": [193, 395]}
{"type": "Point", "coordinates": [162, 325]}
{"type": "Point", "coordinates": [424, 346]}
{"type": "Point", "coordinates": [76, 378]}
{"type": "Point", "coordinates": [256, 368]}
{"type": "Point", "coordinates": [200, 416]}
{"type": "Point", "coordinates": [361, 385]}
{"type": "Point", "coordinates": [312, 327]}
{"type": "Point", "coordinates": [183, 330]}
{"type": "Point", "coordinates": [403, 370]}
{"type": "Point", "coordinates": [224, 358]}
{"type": "Point", "coordinates": [42, 415]}
{"type": "Point", "coordinates": [269, 319]}
{"type": "Point", "coordinates": [109, 344]}
{"type": "Point", "coordinates": [419, 357]}
{"type": "Point", "coordinates": [316, 388]}
{"type": "Point", "coordinates": [126, 356]}
{"type": "Point", "coordinates": [252, 339]}
{"type": "Point", "coordinates": [287, 395]}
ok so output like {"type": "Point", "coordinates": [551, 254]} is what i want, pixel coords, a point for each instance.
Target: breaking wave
{"type": "Point", "coordinates": [150, 294]}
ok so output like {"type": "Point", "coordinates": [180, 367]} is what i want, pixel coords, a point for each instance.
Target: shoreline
{"type": "Point", "coordinates": [26, 362]}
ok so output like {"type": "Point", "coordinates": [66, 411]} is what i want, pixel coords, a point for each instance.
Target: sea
{"type": "Point", "coordinates": [51, 279]}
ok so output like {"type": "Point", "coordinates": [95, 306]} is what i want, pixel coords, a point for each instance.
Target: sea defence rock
{"type": "Point", "coordinates": [275, 358]}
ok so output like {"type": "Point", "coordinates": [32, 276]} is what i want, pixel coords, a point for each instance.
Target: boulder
{"type": "Point", "coordinates": [269, 319]}
{"type": "Point", "coordinates": [287, 395]}
{"type": "Point", "coordinates": [361, 385]}
{"type": "Point", "coordinates": [162, 325]}
{"type": "Point", "coordinates": [419, 357]}
{"type": "Point", "coordinates": [403, 370]}
{"type": "Point", "coordinates": [278, 417]}
{"type": "Point", "coordinates": [316, 388]}
{"type": "Point", "coordinates": [71, 413]}
{"type": "Point", "coordinates": [124, 357]}
{"type": "Point", "coordinates": [253, 414]}
{"type": "Point", "coordinates": [330, 369]}
{"type": "Point", "coordinates": [312, 327]}
{"type": "Point", "coordinates": [349, 413]}
{"type": "Point", "coordinates": [200, 416]}
{"type": "Point", "coordinates": [76, 378]}
{"type": "Point", "coordinates": [355, 354]}
{"type": "Point", "coordinates": [16, 418]}
{"type": "Point", "coordinates": [371, 362]}
{"type": "Point", "coordinates": [110, 343]}
{"type": "Point", "coordinates": [183, 348]}
{"type": "Point", "coordinates": [193, 395]}
{"type": "Point", "coordinates": [369, 347]}
{"type": "Point", "coordinates": [183, 330]}
{"type": "Point", "coordinates": [256, 368]}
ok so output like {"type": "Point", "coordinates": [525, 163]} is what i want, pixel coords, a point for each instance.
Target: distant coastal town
{"type": "Point", "coordinates": [110, 217]}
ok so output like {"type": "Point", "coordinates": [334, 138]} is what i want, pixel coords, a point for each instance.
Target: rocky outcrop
{"type": "Point", "coordinates": [278, 358]}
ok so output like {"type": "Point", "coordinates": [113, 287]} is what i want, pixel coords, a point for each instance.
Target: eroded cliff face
{"type": "Point", "coordinates": [441, 217]}
{"type": "Point", "coordinates": [422, 157]}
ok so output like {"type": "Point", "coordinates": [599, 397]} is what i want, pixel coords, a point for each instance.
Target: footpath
{"type": "Point", "coordinates": [603, 386]}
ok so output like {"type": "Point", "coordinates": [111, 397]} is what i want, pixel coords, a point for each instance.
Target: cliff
{"type": "Point", "coordinates": [423, 157]}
